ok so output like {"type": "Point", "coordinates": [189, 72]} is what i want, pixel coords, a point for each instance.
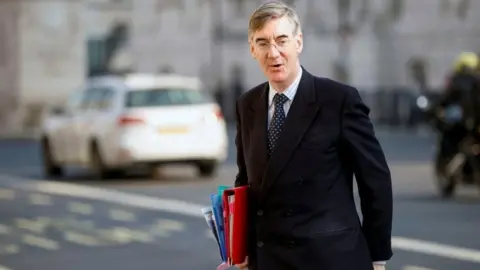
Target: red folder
{"type": "Point", "coordinates": [235, 212]}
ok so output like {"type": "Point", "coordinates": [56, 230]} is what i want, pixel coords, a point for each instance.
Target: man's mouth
{"type": "Point", "coordinates": [276, 66]}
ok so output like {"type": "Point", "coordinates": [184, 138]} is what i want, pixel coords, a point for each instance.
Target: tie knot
{"type": "Point", "coordinates": [279, 99]}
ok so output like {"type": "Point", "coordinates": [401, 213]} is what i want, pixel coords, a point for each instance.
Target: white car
{"type": "Point", "coordinates": [116, 122]}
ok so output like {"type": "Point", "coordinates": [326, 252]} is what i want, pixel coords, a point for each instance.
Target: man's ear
{"type": "Point", "coordinates": [252, 50]}
{"type": "Point", "coordinates": [299, 42]}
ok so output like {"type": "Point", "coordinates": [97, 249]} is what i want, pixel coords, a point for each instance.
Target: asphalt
{"type": "Point", "coordinates": [46, 231]}
{"type": "Point", "coordinates": [39, 231]}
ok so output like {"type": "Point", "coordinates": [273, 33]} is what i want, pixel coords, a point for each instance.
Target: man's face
{"type": "Point", "coordinates": [276, 49]}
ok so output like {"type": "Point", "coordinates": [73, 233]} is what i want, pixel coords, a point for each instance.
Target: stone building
{"type": "Point", "coordinates": [53, 45]}
{"type": "Point", "coordinates": [198, 38]}
{"type": "Point", "coordinates": [41, 57]}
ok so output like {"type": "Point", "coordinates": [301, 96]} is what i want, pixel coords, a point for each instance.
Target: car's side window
{"type": "Point", "coordinates": [106, 99]}
{"type": "Point", "coordinates": [74, 101]}
{"type": "Point", "coordinates": [88, 100]}
{"type": "Point", "coordinates": [98, 99]}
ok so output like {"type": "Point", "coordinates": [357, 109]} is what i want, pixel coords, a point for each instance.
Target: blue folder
{"type": "Point", "coordinates": [218, 214]}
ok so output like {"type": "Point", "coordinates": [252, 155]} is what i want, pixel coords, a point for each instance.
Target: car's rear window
{"type": "Point", "coordinates": [166, 97]}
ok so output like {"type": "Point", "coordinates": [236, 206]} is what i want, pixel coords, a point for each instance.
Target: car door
{"type": "Point", "coordinates": [79, 131]}
{"type": "Point", "coordinates": [106, 122]}
{"type": "Point", "coordinates": [92, 122]}
{"type": "Point", "coordinates": [62, 138]}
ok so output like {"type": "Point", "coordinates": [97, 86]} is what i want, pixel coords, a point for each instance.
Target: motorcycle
{"type": "Point", "coordinates": [457, 159]}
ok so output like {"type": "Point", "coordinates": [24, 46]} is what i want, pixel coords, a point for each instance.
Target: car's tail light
{"type": "Point", "coordinates": [213, 116]}
{"type": "Point", "coordinates": [218, 113]}
{"type": "Point", "coordinates": [129, 120]}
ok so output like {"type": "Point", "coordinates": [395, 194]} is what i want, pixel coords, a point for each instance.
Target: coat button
{"type": "Point", "coordinates": [288, 213]}
{"type": "Point", "coordinates": [260, 212]}
{"type": "Point", "coordinates": [259, 244]}
{"type": "Point", "coordinates": [300, 181]}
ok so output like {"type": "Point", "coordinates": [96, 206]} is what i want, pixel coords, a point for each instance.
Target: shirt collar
{"type": "Point", "coordinates": [289, 92]}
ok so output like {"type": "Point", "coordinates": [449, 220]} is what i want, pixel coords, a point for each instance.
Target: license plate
{"type": "Point", "coordinates": [173, 130]}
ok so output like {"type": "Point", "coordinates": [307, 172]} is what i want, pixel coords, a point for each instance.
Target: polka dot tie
{"type": "Point", "coordinates": [276, 124]}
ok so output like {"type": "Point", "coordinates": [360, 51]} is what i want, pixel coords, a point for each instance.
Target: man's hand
{"type": "Point", "coordinates": [244, 265]}
{"type": "Point", "coordinates": [378, 267]}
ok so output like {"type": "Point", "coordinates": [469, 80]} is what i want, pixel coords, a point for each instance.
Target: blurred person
{"type": "Point", "coordinates": [457, 118]}
{"type": "Point", "coordinates": [300, 140]}
{"type": "Point", "coordinates": [459, 108]}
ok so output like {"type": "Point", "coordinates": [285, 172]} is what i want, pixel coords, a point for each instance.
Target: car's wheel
{"type": "Point", "coordinates": [207, 168]}
{"type": "Point", "coordinates": [98, 166]}
{"type": "Point", "coordinates": [50, 169]}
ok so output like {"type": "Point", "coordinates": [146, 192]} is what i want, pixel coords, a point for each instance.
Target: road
{"type": "Point", "coordinates": [140, 223]}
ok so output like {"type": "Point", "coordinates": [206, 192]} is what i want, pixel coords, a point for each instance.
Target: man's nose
{"type": "Point", "coordinates": [273, 51]}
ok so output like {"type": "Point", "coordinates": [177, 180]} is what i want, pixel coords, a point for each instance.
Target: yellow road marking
{"type": "Point", "coordinates": [37, 225]}
{"type": "Point", "coordinates": [65, 223]}
{"type": "Point", "coordinates": [80, 208]}
{"type": "Point", "coordinates": [165, 227]}
{"type": "Point", "coordinates": [9, 249]}
{"type": "Point", "coordinates": [122, 235]}
{"type": "Point", "coordinates": [141, 236]}
{"type": "Point", "coordinates": [4, 268]}
{"type": "Point", "coordinates": [81, 239]}
{"type": "Point", "coordinates": [7, 194]}
{"type": "Point", "coordinates": [39, 242]}
{"type": "Point", "coordinates": [40, 199]}
{"type": "Point", "coordinates": [121, 215]}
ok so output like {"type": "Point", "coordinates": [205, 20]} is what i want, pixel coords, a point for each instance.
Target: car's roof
{"type": "Point", "coordinates": [142, 81]}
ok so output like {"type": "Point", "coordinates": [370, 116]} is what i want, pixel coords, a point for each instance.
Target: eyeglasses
{"type": "Point", "coordinates": [280, 44]}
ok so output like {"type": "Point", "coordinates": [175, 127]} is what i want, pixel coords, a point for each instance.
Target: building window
{"type": "Point", "coordinates": [101, 50]}
{"type": "Point", "coordinates": [96, 53]}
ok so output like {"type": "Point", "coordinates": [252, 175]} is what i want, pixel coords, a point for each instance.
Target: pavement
{"type": "Point", "coordinates": [141, 223]}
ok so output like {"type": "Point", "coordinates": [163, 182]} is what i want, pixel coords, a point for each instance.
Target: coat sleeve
{"type": "Point", "coordinates": [372, 175]}
{"type": "Point", "coordinates": [241, 177]}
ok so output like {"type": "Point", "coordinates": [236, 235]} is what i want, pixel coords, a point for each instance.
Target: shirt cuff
{"type": "Point", "coordinates": [380, 262]}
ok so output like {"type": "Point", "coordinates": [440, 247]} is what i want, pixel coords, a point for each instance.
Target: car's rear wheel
{"type": "Point", "coordinates": [207, 168]}
{"type": "Point", "coordinates": [50, 169]}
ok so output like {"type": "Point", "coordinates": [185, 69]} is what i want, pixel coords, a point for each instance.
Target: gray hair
{"type": "Point", "coordinates": [269, 11]}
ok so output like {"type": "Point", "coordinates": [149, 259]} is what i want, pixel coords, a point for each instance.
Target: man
{"type": "Point", "coordinates": [299, 141]}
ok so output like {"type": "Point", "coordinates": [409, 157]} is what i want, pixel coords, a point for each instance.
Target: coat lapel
{"type": "Point", "coordinates": [303, 110]}
{"type": "Point", "coordinates": [258, 130]}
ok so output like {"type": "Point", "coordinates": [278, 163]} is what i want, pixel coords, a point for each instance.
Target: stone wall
{"type": "Point", "coordinates": [9, 64]}
{"type": "Point", "coordinates": [43, 58]}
